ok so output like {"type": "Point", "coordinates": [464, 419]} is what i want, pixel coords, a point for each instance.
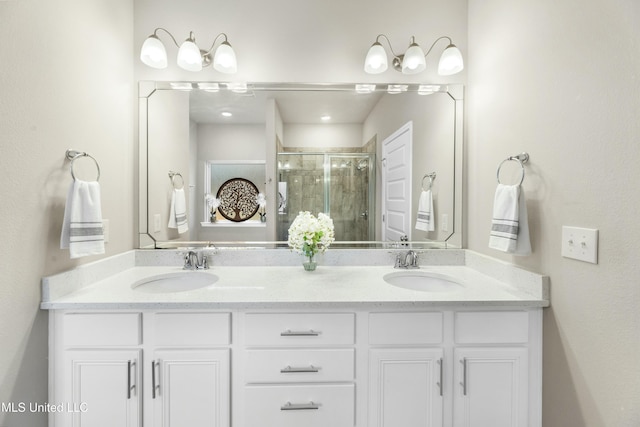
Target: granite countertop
{"type": "Point", "coordinates": [107, 284]}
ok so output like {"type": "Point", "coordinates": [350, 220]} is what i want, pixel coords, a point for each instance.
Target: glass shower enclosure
{"type": "Point", "coordinates": [341, 185]}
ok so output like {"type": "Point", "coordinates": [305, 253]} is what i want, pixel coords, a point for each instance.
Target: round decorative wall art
{"type": "Point", "coordinates": [238, 199]}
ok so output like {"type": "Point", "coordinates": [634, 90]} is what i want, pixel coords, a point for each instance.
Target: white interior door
{"type": "Point", "coordinates": [396, 183]}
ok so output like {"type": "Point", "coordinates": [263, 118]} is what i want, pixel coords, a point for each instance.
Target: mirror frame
{"type": "Point", "coordinates": [146, 240]}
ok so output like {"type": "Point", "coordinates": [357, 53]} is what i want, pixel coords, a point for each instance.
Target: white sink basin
{"type": "Point", "coordinates": [423, 281]}
{"type": "Point", "coordinates": [180, 281]}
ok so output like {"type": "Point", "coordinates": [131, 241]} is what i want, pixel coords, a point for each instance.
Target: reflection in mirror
{"type": "Point", "coordinates": [317, 147]}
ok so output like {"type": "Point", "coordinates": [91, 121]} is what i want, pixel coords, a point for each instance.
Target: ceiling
{"type": "Point", "coordinates": [295, 106]}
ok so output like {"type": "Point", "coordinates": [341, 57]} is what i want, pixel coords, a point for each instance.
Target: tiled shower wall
{"type": "Point", "coordinates": [348, 192]}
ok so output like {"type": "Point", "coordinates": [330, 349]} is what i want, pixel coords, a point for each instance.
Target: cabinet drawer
{"type": "Point", "coordinates": [405, 328]}
{"type": "Point", "coordinates": [278, 366]}
{"type": "Point", "coordinates": [299, 328]}
{"type": "Point", "coordinates": [102, 329]}
{"type": "Point", "coordinates": [192, 329]}
{"type": "Point", "coordinates": [496, 327]}
{"type": "Point", "coordinates": [296, 406]}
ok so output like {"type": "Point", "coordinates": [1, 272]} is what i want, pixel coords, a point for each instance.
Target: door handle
{"type": "Point", "coordinates": [463, 383]}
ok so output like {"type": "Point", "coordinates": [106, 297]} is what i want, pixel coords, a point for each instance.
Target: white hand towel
{"type": "Point", "coordinates": [178, 211]}
{"type": "Point", "coordinates": [425, 220]}
{"type": "Point", "coordinates": [82, 230]}
{"type": "Point", "coordinates": [523, 246]}
{"type": "Point", "coordinates": [509, 226]}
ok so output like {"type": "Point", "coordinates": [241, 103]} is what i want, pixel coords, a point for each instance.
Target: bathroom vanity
{"type": "Point", "coordinates": [274, 345]}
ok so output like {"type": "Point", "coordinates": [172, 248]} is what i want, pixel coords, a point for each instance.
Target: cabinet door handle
{"type": "Point", "coordinates": [293, 369]}
{"type": "Point", "coordinates": [130, 386]}
{"type": "Point", "coordinates": [463, 383]}
{"type": "Point", "coordinates": [128, 379]}
{"type": "Point", "coordinates": [290, 333]}
{"type": "Point", "coordinates": [155, 383]}
{"type": "Point", "coordinates": [440, 381]}
{"type": "Point", "coordinates": [299, 406]}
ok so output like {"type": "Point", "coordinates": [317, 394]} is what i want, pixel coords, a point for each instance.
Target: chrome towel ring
{"type": "Point", "coordinates": [432, 177]}
{"type": "Point", "coordinates": [74, 154]}
{"type": "Point", "coordinates": [521, 158]}
{"type": "Point", "coordinates": [172, 176]}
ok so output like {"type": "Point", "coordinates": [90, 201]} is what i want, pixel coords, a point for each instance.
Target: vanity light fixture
{"type": "Point", "coordinates": [209, 87]}
{"type": "Point", "coordinates": [428, 89]}
{"type": "Point", "coordinates": [365, 88]}
{"type": "Point", "coordinates": [181, 85]}
{"type": "Point", "coordinates": [226, 114]}
{"type": "Point", "coordinates": [413, 61]}
{"type": "Point", "coordinates": [325, 118]}
{"type": "Point", "coordinates": [190, 56]}
{"type": "Point", "coordinates": [395, 89]}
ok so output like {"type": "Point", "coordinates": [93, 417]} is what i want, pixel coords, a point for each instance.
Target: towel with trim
{"type": "Point", "coordinates": [425, 220]}
{"type": "Point", "coordinates": [82, 227]}
{"type": "Point", "coordinates": [178, 211]}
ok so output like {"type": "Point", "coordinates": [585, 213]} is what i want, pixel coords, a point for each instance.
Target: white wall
{"type": "Point", "coordinates": [60, 89]}
{"type": "Point", "coordinates": [168, 135]}
{"type": "Point", "coordinates": [228, 143]}
{"type": "Point", "coordinates": [343, 135]}
{"type": "Point", "coordinates": [560, 80]}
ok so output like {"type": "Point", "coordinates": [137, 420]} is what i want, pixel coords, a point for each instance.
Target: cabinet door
{"type": "Point", "coordinates": [104, 388]}
{"type": "Point", "coordinates": [492, 387]}
{"type": "Point", "coordinates": [405, 387]}
{"type": "Point", "coordinates": [190, 388]}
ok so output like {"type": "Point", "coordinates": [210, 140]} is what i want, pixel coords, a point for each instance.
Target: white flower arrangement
{"type": "Point", "coordinates": [309, 235]}
{"type": "Point", "coordinates": [212, 202]}
{"type": "Point", "coordinates": [261, 201]}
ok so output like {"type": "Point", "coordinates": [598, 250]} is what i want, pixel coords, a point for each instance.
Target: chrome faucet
{"type": "Point", "coordinates": [406, 260]}
{"type": "Point", "coordinates": [191, 261]}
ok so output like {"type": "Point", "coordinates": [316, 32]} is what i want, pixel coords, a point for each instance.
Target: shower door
{"type": "Point", "coordinates": [340, 185]}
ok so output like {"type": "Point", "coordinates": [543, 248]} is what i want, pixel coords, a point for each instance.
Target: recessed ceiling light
{"type": "Point", "coordinates": [226, 114]}
{"type": "Point", "coordinates": [325, 118]}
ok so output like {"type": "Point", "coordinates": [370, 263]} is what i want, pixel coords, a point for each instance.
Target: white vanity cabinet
{"type": "Point", "coordinates": [462, 368]}
{"type": "Point", "coordinates": [298, 369]}
{"type": "Point", "coordinates": [109, 366]}
{"type": "Point", "coordinates": [368, 366]}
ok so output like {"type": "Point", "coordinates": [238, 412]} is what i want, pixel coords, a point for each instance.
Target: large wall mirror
{"type": "Point", "coordinates": [374, 157]}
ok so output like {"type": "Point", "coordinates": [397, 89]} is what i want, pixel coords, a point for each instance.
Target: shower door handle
{"type": "Point", "coordinates": [365, 215]}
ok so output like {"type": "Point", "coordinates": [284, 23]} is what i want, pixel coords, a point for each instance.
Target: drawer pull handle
{"type": "Point", "coordinates": [295, 370]}
{"type": "Point", "coordinates": [290, 333]}
{"type": "Point", "coordinates": [299, 406]}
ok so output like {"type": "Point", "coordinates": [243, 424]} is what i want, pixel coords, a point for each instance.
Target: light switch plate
{"type": "Point", "coordinates": [580, 243]}
{"type": "Point", "coordinates": [156, 223]}
{"type": "Point", "coordinates": [105, 230]}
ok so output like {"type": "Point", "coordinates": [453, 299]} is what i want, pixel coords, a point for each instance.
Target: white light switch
{"type": "Point", "coordinates": [105, 230]}
{"type": "Point", "coordinates": [156, 223]}
{"type": "Point", "coordinates": [580, 243]}
{"type": "Point", "coordinates": [444, 222]}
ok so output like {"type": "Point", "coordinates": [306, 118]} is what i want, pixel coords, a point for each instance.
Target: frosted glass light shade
{"type": "Point", "coordinates": [376, 60]}
{"type": "Point", "coordinates": [451, 61]}
{"type": "Point", "coordinates": [189, 57]}
{"type": "Point", "coordinates": [224, 59]}
{"type": "Point", "coordinates": [153, 53]}
{"type": "Point", "coordinates": [413, 61]}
